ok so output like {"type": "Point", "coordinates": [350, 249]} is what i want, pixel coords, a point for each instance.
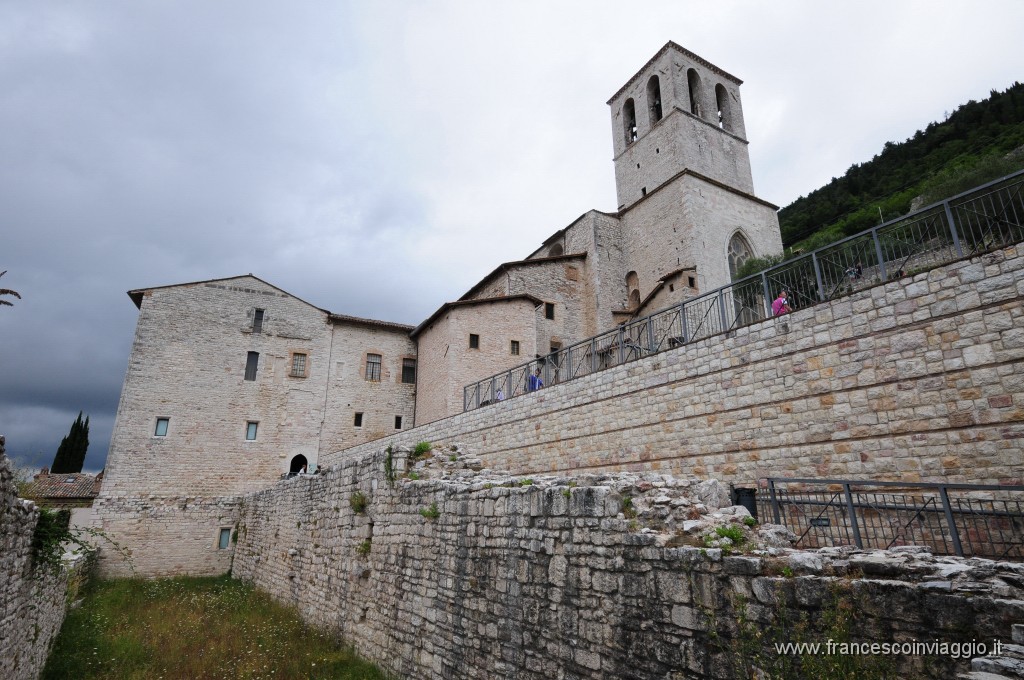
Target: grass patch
{"type": "Point", "coordinates": [358, 502]}
{"type": "Point", "coordinates": [193, 628]}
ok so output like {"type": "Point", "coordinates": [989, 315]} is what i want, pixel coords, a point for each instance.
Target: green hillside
{"type": "Point", "coordinates": [978, 142]}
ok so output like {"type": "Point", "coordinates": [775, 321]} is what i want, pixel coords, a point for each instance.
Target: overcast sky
{"type": "Point", "coordinates": [377, 159]}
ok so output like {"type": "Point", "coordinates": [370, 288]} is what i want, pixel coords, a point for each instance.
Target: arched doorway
{"type": "Point", "coordinates": [297, 465]}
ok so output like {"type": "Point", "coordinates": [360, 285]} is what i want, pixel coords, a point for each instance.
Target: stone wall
{"type": "Point", "coordinates": [32, 601]}
{"type": "Point", "coordinates": [165, 536]}
{"type": "Point", "coordinates": [480, 576]}
{"type": "Point", "coordinates": [920, 379]}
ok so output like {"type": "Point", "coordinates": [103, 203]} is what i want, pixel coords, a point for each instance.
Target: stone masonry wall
{"type": "Point", "coordinates": [484, 576]}
{"type": "Point", "coordinates": [165, 536]}
{"type": "Point", "coordinates": [32, 602]}
{"type": "Point", "coordinates": [920, 379]}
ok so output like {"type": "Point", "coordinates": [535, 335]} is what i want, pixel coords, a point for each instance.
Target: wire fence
{"type": "Point", "coordinates": [985, 218]}
{"type": "Point", "coordinates": [948, 519]}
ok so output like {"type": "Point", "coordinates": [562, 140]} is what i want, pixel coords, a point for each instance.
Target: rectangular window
{"type": "Point", "coordinates": [398, 422]}
{"type": "Point", "coordinates": [257, 321]}
{"type": "Point", "coordinates": [225, 539]}
{"type": "Point", "coordinates": [250, 430]}
{"type": "Point", "coordinates": [374, 368]}
{"type": "Point", "coordinates": [358, 420]}
{"type": "Point", "coordinates": [514, 349]}
{"type": "Point", "coordinates": [474, 341]}
{"type": "Point", "coordinates": [161, 427]}
{"type": "Point", "coordinates": [409, 371]}
{"type": "Point", "coordinates": [298, 365]}
{"type": "Point", "coordinates": [252, 362]}
{"type": "Point", "coordinates": [549, 310]}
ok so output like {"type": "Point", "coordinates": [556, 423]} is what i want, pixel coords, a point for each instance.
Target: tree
{"type": "Point", "coordinates": [71, 452]}
{"type": "Point", "coordinates": [7, 291]}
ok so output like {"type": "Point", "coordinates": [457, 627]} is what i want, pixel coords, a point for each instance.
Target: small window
{"type": "Point", "coordinates": [257, 321]}
{"type": "Point", "coordinates": [225, 539]}
{"type": "Point", "coordinates": [250, 430]}
{"type": "Point", "coordinates": [474, 341]}
{"type": "Point", "coordinates": [514, 349]}
{"type": "Point", "coordinates": [398, 422]}
{"type": "Point", "coordinates": [409, 371]}
{"type": "Point", "coordinates": [373, 367]}
{"type": "Point", "coordinates": [358, 420]}
{"type": "Point", "coordinates": [252, 362]}
{"type": "Point", "coordinates": [549, 310]}
{"type": "Point", "coordinates": [161, 427]}
{"type": "Point", "coordinates": [299, 365]}
{"type": "Point", "coordinates": [692, 282]}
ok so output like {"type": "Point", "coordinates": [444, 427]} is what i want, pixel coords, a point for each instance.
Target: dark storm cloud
{"type": "Point", "coordinates": [148, 144]}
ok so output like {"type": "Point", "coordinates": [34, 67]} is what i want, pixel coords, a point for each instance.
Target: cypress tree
{"type": "Point", "coordinates": [71, 452]}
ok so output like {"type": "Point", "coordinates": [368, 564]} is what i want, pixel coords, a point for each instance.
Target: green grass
{"type": "Point", "coordinates": [193, 628]}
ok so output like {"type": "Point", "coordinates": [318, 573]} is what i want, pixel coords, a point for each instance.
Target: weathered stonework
{"type": "Point", "coordinates": [483, 575]}
{"type": "Point", "coordinates": [920, 379]}
{"type": "Point", "coordinates": [32, 600]}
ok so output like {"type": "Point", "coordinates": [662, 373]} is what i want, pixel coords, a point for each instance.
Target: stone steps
{"type": "Point", "coordinates": [1008, 665]}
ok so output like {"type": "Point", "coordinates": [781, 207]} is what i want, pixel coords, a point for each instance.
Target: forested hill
{"type": "Point", "coordinates": [970, 147]}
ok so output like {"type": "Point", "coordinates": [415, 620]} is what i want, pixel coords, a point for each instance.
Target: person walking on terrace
{"type": "Point", "coordinates": [781, 305]}
{"type": "Point", "coordinates": [534, 383]}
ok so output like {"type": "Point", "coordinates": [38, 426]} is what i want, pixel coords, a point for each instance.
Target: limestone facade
{"type": "Point", "coordinates": [233, 382]}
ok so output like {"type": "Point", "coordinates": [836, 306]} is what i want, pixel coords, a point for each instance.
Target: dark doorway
{"type": "Point", "coordinates": [298, 465]}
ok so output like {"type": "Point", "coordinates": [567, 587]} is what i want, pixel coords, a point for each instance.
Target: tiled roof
{"type": "Point", "coordinates": [68, 485]}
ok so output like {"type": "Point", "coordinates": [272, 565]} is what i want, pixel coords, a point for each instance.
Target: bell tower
{"type": "Point", "coordinates": [679, 112]}
{"type": "Point", "coordinates": [682, 175]}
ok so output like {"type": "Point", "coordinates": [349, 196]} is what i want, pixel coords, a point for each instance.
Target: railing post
{"type": "Point", "coordinates": [952, 230]}
{"type": "Point", "coordinates": [682, 320]}
{"type": "Point", "coordinates": [852, 514]}
{"type": "Point", "coordinates": [593, 355]}
{"type": "Point", "coordinates": [878, 254]}
{"type": "Point", "coordinates": [775, 501]}
{"type": "Point", "coordinates": [494, 394]}
{"type": "Point", "coordinates": [650, 333]}
{"type": "Point", "coordinates": [721, 309]}
{"type": "Point", "coordinates": [954, 535]}
{"type": "Point", "coordinates": [767, 306]}
{"type": "Point", "coordinates": [622, 345]}
{"type": "Point", "coordinates": [817, 277]}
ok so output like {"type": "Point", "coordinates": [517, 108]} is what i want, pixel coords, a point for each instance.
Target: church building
{"type": "Point", "coordinates": [233, 383]}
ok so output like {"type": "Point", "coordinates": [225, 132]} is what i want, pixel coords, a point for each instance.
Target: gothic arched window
{"type": "Point", "coordinates": [629, 121]}
{"type": "Point", "coordinates": [724, 112]}
{"type": "Point", "coordinates": [696, 98]}
{"type": "Point", "coordinates": [739, 252]}
{"type": "Point", "coordinates": [633, 289]}
{"type": "Point", "coordinates": [654, 99]}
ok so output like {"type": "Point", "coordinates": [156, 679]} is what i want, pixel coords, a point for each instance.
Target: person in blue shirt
{"type": "Point", "coordinates": [534, 383]}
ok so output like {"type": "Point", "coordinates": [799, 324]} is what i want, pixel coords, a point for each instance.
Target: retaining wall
{"type": "Point", "coordinates": [920, 379]}
{"type": "Point", "coordinates": [553, 580]}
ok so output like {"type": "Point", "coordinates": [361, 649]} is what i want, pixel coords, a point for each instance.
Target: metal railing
{"type": "Point", "coordinates": [985, 218]}
{"type": "Point", "coordinates": [948, 519]}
